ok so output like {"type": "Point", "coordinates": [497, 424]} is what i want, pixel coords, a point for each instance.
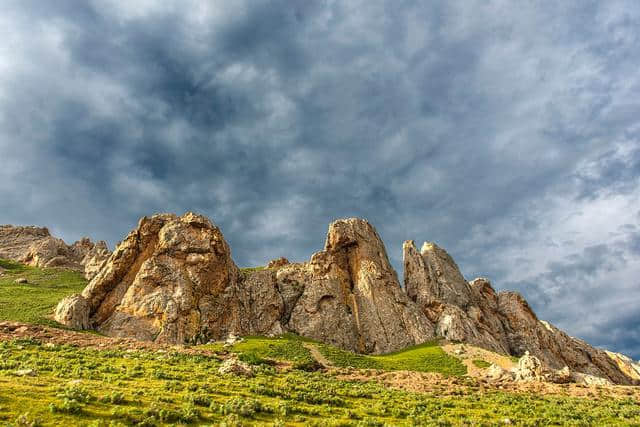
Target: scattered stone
{"type": "Point", "coordinates": [529, 368]}
{"type": "Point", "coordinates": [497, 373]}
{"type": "Point", "coordinates": [236, 367]}
{"type": "Point", "coordinates": [25, 373]}
{"type": "Point", "coordinates": [21, 280]}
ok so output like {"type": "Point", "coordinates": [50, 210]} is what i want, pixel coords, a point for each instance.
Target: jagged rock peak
{"type": "Point", "coordinates": [36, 247]}
{"type": "Point", "coordinates": [351, 295]}
{"type": "Point", "coordinates": [503, 322]}
{"type": "Point", "coordinates": [173, 280]}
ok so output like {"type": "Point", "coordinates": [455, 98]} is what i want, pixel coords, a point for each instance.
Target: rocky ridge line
{"type": "Point", "coordinates": [172, 280]}
{"type": "Point", "coordinates": [36, 247]}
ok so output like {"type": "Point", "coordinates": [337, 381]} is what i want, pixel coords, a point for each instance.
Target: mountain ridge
{"type": "Point", "coordinates": [172, 279]}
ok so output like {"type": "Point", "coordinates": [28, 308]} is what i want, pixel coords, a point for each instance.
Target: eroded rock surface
{"type": "Point", "coordinates": [173, 280]}
{"type": "Point", "coordinates": [351, 295]}
{"type": "Point", "coordinates": [36, 247]}
{"type": "Point", "coordinates": [502, 322]}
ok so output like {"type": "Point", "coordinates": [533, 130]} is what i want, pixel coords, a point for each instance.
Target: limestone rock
{"type": "Point", "coordinates": [15, 241]}
{"type": "Point", "coordinates": [278, 262]}
{"type": "Point", "coordinates": [21, 280]}
{"type": "Point", "coordinates": [36, 247]}
{"type": "Point", "coordinates": [73, 311]}
{"type": "Point", "coordinates": [502, 322]}
{"type": "Point", "coordinates": [497, 373]}
{"type": "Point", "coordinates": [352, 297]}
{"type": "Point", "coordinates": [529, 369]}
{"type": "Point", "coordinates": [173, 280]}
{"type": "Point", "coordinates": [560, 376]}
{"type": "Point", "coordinates": [233, 366]}
{"type": "Point", "coordinates": [94, 259]}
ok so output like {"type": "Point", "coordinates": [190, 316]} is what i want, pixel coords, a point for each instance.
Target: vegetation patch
{"type": "Point", "coordinates": [76, 386]}
{"type": "Point", "coordinates": [427, 357]}
{"type": "Point", "coordinates": [482, 364]}
{"type": "Point", "coordinates": [287, 347]}
{"type": "Point", "coordinates": [34, 301]}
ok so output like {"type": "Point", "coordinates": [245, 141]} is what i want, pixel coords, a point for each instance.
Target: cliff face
{"type": "Point", "coordinates": [502, 322]}
{"type": "Point", "coordinates": [173, 280]}
{"type": "Point", "coordinates": [36, 247]}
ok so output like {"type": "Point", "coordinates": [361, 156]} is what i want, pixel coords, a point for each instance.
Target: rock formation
{"type": "Point", "coordinates": [349, 295]}
{"type": "Point", "coordinates": [173, 280]}
{"type": "Point", "coordinates": [36, 247]}
{"type": "Point", "coordinates": [503, 322]}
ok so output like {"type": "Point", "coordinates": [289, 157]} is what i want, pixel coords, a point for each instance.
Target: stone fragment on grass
{"type": "Point", "coordinates": [496, 373]}
{"type": "Point", "coordinates": [235, 367]}
{"type": "Point", "coordinates": [529, 368]}
{"type": "Point", "coordinates": [21, 280]}
{"type": "Point", "coordinates": [25, 373]}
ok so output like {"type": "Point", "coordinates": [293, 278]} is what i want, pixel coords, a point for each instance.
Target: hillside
{"type": "Point", "coordinates": [60, 377]}
{"type": "Point", "coordinates": [144, 359]}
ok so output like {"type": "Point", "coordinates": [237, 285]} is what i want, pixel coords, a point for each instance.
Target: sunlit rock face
{"type": "Point", "coordinates": [503, 322]}
{"type": "Point", "coordinates": [173, 280]}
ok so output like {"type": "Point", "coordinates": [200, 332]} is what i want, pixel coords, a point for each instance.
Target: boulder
{"type": "Point", "coordinates": [529, 369]}
{"type": "Point", "coordinates": [497, 373]}
{"type": "Point", "coordinates": [73, 311]}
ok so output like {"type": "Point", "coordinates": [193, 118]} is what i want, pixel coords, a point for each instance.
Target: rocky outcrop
{"type": "Point", "coordinates": [502, 322]}
{"type": "Point", "coordinates": [36, 247]}
{"type": "Point", "coordinates": [351, 296]}
{"type": "Point", "coordinates": [173, 280]}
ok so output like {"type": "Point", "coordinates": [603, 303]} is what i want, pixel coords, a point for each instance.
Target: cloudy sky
{"type": "Point", "coordinates": [508, 133]}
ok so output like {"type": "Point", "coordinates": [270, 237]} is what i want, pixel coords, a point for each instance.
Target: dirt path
{"type": "Point", "coordinates": [315, 353]}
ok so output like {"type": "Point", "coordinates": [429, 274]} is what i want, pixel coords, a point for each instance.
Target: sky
{"type": "Point", "coordinates": [507, 132]}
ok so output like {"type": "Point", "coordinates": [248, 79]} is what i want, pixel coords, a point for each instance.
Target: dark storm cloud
{"type": "Point", "coordinates": [507, 134]}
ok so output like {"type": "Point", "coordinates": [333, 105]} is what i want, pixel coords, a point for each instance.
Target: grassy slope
{"type": "Point", "coordinates": [159, 388]}
{"type": "Point", "coordinates": [34, 301]}
{"type": "Point", "coordinates": [156, 388]}
{"type": "Point", "coordinates": [427, 357]}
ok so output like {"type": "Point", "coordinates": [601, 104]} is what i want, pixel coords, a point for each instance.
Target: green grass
{"type": "Point", "coordinates": [482, 364]}
{"type": "Point", "coordinates": [34, 301]}
{"type": "Point", "coordinates": [75, 386]}
{"type": "Point", "coordinates": [285, 348]}
{"type": "Point", "coordinates": [427, 357]}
